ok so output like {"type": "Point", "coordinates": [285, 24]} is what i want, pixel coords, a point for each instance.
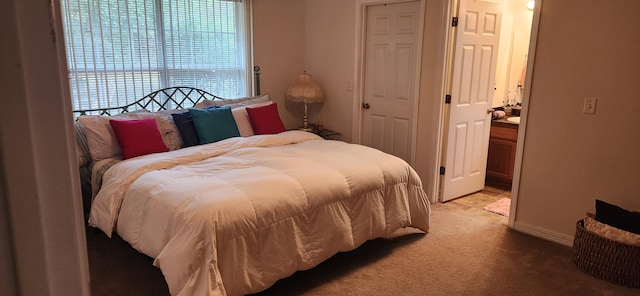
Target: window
{"type": "Point", "coordinates": [120, 50]}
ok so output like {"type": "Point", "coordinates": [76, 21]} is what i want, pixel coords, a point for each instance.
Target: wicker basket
{"type": "Point", "coordinates": [606, 259]}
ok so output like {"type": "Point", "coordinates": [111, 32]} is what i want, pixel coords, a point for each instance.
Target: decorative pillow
{"type": "Point", "coordinates": [242, 118]}
{"type": "Point", "coordinates": [213, 125]}
{"type": "Point", "coordinates": [168, 130]}
{"type": "Point", "coordinates": [617, 217]}
{"type": "Point", "coordinates": [611, 232]}
{"type": "Point", "coordinates": [188, 133]}
{"type": "Point", "coordinates": [265, 119]}
{"type": "Point", "coordinates": [138, 137]}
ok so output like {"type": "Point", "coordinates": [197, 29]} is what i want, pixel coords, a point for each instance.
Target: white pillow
{"type": "Point", "coordinates": [234, 103]}
{"type": "Point", "coordinates": [242, 118]}
{"type": "Point", "coordinates": [100, 137]}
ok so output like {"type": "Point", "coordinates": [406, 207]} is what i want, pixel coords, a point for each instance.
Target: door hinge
{"type": "Point", "coordinates": [447, 99]}
{"type": "Point", "coordinates": [454, 21]}
{"type": "Point", "coordinates": [442, 170]}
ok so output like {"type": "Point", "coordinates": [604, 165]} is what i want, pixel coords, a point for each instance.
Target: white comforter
{"type": "Point", "coordinates": [233, 217]}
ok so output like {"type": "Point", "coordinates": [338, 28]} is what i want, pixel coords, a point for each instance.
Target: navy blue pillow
{"type": "Point", "coordinates": [188, 133]}
{"type": "Point", "coordinates": [617, 217]}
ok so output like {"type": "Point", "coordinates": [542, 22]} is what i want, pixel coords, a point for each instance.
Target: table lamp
{"type": "Point", "coordinates": [305, 89]}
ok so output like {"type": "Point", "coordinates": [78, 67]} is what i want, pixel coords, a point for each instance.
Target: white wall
{"type": "Point", "coordinates": [330, 58]}
{"type": "Point", "coordinates": [291, 36]}
{"type": "Point", "coordinates": [584, 49]}
{"type": "Point", "coordinates": [40, 182]}
{"type": "Point", "coordinates": [279, 49]}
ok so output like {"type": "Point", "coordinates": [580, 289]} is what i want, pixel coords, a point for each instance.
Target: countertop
{"type": "Point", "coordinates": [505, 122]}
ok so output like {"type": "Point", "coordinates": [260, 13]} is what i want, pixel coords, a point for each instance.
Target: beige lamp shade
{"type": "Point", "coordinates": [304, 89]}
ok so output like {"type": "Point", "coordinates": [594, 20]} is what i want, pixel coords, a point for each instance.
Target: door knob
{"type": "Point", "coordinates": [489, 111]}
{"type": "Point", "coordinates": [365, 106]}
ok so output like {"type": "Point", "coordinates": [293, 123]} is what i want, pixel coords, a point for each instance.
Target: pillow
{"type": "Point", "coordinates": [101, 140]}
{"type": "Point", "coordinates": [168, 130]}
{"type": "Point", "coordinates": [138, 137]}
{"type": "Point", "coordinates": [243, 102]}
{"type": "Point", "coordinates": [265, 119]}
{"type": "Point", "coordinates": [611, 232]}
{"type": "Point", "coordinates": [188, 133]}
{"type": "Point", "coordinates": [235, 103]}
{"type": "Point", "coordinates": [213, 125]}
{"type": "Point", "coordinates": [617, 217]}
{"type": "Point", "coordinates": [242, 118]}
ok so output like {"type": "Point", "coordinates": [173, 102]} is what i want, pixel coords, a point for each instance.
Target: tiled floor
{"type": "Point", "coordinates": [483, 198]}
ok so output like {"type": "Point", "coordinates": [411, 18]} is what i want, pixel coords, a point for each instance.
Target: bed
{"type": "Point", "coordinates": [233, 216]}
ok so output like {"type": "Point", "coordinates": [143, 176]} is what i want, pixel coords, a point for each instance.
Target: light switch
{"type": "Point", "coordinates": [589, 105]}
{"type": "Point", "coordinates": [349, 85]}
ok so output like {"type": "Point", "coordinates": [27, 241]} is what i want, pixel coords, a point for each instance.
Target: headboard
{"type": "Point", "coordinates": [175, 97]}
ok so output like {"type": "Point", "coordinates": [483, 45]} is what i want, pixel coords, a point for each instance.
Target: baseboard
{"type": "Point", "coordinates": [563, 239]}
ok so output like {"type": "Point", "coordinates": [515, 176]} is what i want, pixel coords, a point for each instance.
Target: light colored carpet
{"type": "Point", "coordinates": [468, 251]}
{"type": "Point", "coordinates": [500, 207]}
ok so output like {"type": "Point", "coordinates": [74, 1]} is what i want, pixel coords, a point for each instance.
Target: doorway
{"type": "Point", "coordinates": [466, 137]}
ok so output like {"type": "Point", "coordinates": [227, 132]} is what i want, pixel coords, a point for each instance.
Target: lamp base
{"type": "Point", "coordinates": [306, 129]}
{"type": "Point", "coordinates": [305, 125]}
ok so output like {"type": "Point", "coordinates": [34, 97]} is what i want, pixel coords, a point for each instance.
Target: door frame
{"type": "Point", "coordinates": [360, 48]}
{"type": "Point", "coordinates": [522, 128]}
{"type": "Point", "coordinates": [453, 6]}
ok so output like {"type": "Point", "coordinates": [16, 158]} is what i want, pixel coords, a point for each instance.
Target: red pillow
{"type": "Point", "coordinates": [265, 119]}
{"type": "Point", "coordinates": [138, 137]}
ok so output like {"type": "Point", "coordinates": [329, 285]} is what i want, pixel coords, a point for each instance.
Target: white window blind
{"type": "Point", "coordinates": [120, 50]}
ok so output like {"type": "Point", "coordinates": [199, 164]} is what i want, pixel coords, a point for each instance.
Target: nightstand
{"type": "Point", "coordinates": [328, 134]}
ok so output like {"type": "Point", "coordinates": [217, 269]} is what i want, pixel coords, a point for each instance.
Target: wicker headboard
{"type": "Point", "coordinates": [175, 97]}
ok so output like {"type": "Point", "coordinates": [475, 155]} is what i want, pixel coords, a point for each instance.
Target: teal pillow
{"type": "Point", "coordinates": [214, 125]}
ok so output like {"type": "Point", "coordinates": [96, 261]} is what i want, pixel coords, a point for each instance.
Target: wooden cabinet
{"type": "Point", "coordinates": [502, 154]}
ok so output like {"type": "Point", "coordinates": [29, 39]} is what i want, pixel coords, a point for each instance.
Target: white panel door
{"type": "Point", "coordinates": [472, 88]}
{"type": "Point", "coordinates": [390, 77]}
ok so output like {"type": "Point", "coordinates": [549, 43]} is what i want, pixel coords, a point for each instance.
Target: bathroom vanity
{"type": "Point", "coordinates": [502, 152]}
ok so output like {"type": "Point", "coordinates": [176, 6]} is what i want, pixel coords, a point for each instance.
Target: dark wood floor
{"type": "Point", "coordinates": [118, 269]}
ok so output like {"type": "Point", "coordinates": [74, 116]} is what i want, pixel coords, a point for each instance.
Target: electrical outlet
{"type": "Point", "coordinates": [589, 105]}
